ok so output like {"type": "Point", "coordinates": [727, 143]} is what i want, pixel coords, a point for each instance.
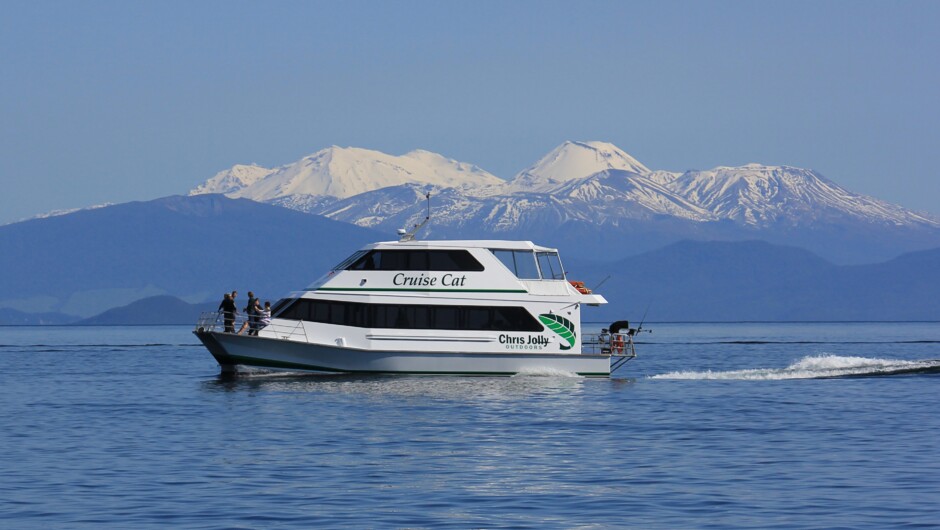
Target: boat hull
{"type": "Point", "coordinates": [231, 350]}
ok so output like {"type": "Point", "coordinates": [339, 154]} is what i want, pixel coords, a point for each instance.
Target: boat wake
{"type": "Point", "coordinates": [819, 367]}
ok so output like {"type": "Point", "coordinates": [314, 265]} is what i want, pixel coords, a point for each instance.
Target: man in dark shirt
{"type": "Point", "coordinates": [228, 309]}
{"type": "Point", "coordinates": [250, 311]}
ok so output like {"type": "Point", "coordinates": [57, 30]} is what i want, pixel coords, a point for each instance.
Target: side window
{"type": "Point", "coordinates": [393, 261]}
{"type": "Point", "coordinates": [526, 269]}
{"type": "Point", "coordinates": [368, 262]}
{"type": "Point", "coordinates": [338, 313]}
{"type": "Point", "coordinates": [473, 318]}
{"type": "Point", "coordinates": [350, 260]}
{"type": "Point", "coordinates": [320, 312]}
{"type": "Point", "coordinates": [292, 311]}
{"type": "Point", "coordinates": [506, 257]}
{"type": "Point", "coordinates": [520, 262]}
{"type": "Point", "coordinates": [414, 260]}
{"type": "Point", "coordinates": [477, 318]}
{"type": "Point", "coordinates": [446, 317]}
{"type": "Point", "coordinates": [280, 305]}
{"type": "Point", "coordinates": [452, 260]}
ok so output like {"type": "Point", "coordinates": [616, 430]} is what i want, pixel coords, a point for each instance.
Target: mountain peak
{"type": "Point", "coordinates": [759, 195]}
{"type": "Point", "coordinates": [573, 160]}
{"type": "Point", "coordinates": [343, 172]}
{"type": "Point", "coordinates": [232, 179]}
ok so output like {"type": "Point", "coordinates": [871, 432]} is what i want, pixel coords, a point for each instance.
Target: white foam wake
{"type": "Point", "coordinates": [545, 372]}
{"type": "Point", "coordinates": [814, 367]}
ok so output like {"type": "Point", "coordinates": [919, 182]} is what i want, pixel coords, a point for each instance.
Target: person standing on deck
{"type": "Point", "coordinates": [228, 309]}
{"type": "Point", "coordinates": [252, 314]}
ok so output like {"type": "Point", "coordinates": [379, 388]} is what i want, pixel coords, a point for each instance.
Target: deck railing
{"type": "Point", "coordinates": [615, 344]}
{"type": "Point", "coordinates": [243, 325]}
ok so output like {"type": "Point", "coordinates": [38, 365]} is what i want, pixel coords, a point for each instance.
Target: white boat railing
{"type": "Point", "coordinates": [244, 324]}
{"type": "Point", "coordinates": [613, 344]}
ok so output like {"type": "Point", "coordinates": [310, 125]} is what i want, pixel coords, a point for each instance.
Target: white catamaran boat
{"type": "Point", "coordinates": [430, 307]}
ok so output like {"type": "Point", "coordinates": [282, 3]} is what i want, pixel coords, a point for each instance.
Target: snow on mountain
{"type": "Point", "coordinates": [232, 180]}
{"type": "Point", "coordinates": [617, 193]}
{"type": "Point", "coordinates": [759, 195]}
{"type": "Point", "coordinates": [589, 195]}
{"type": "Point", "coordinates": [607, 197]}
{"type": "Point", "coordinates": [574, 160]}
{"type": "Point", "coordinates": [57, 213]}
{"type": "Point", "coordinates": [663, 177]}
{"type": "Point", "coordinates": [346, 172]}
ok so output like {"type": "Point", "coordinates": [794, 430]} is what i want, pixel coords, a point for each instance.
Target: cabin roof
{"type": "Point", "coordinates": [467, 243]}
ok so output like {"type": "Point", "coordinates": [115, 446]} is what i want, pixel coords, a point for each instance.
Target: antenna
{"type": "Point", "coordinates": [601, 283]}
{"type": "Point", "coordinates": [410, 235]}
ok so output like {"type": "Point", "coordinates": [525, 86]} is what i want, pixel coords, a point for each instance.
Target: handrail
{"type": "Point", "coordinates": [613, 344]}
{"type": "Point", "coordinates": [247, 325]}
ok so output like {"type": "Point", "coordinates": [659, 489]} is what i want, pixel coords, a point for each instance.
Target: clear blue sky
{"type": "Point", "coordinates": [118, 101]}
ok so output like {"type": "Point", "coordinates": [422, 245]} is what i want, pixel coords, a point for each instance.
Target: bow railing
{"type": "Point", "coordinates": [257, 325]}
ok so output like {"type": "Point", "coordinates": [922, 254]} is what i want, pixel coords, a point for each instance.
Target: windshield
{"type": "Point", "coordinates": [551, 266]}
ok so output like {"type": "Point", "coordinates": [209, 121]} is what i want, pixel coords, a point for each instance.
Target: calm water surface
{"type": "Point", "coordinates": [713, 426]}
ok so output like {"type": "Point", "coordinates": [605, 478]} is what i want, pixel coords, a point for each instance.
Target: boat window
{"type": "Point", "coordinates": [416, 260]}
{"type": "Point", "coordinates": [281, 304]}
{"type": "Point", "coordinates": [520, 262]}
{"type": "Point", "coordinates": [399, 316]}
{"type": "Point", "coordinates": [337, 313]}
{"type": "Point", "coordinates": [550, 265]}
{"type": "Point", "coordinates": [345, 263]}
{"type": "Point", "coordinates": [317, 313]}
{"type": "Point", "coordinates": [447, 317]}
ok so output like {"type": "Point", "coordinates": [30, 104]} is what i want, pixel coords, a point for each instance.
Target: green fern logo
{"type": "Point", "coordinates": [562, 326]}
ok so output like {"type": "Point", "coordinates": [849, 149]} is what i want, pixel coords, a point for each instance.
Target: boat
{"type": "Point", "coordinates": [471, 307]}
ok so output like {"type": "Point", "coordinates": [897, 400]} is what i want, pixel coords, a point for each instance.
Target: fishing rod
{"type": "Point", "coordinates": [601, 283]}
{"type": "Point", "coordinates": [639, 329]}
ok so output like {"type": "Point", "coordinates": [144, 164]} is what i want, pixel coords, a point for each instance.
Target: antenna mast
{"type": "Point", "coordinates": [410, 235]}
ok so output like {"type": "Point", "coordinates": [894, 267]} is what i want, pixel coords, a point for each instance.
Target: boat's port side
{"type": "Point", "coordinates": [437, 307]}
{"type": "Point", "coordinates": [246, 350]}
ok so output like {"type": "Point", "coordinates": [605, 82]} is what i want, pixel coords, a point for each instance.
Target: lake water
{"type": "Point", "coordinates": [712, 426]}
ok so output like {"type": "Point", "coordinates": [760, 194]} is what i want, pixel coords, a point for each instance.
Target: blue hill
{"type": "Point", "coordinates": [155, 310]}
{"type": "Point", "coordinates": [758, 281]}
{"type": "Point", "coordinates": [194, 248]}
{"type": "Point", "coordinates": [12, 317]}
{"type": "Point", "coordinates": [189, 250]}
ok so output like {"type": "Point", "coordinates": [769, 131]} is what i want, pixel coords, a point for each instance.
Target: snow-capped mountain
{"type": "Point", "coordinates": [608, 197]}
{"type": "Point", "coordinates": [232, 180]}
{"type": "Point", "coordinates": [759, 195]}
{"type": "Point", "coordinates": [615, 193]}
{"type": "Point", "coordinates": [346, 172]}
{"type": "Point", "coordinates": [599, 197]}
{"type": "Point", "coordinates": [574, 160]}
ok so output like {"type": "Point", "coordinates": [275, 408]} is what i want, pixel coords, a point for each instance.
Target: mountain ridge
{"type": "Point", "coordinates": [581, 188]}
{"type": "Point", "coordinates": [343, 172]}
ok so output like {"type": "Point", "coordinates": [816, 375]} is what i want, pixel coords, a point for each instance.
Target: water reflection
{"type": "Point", "coordinates": [431, 386]}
